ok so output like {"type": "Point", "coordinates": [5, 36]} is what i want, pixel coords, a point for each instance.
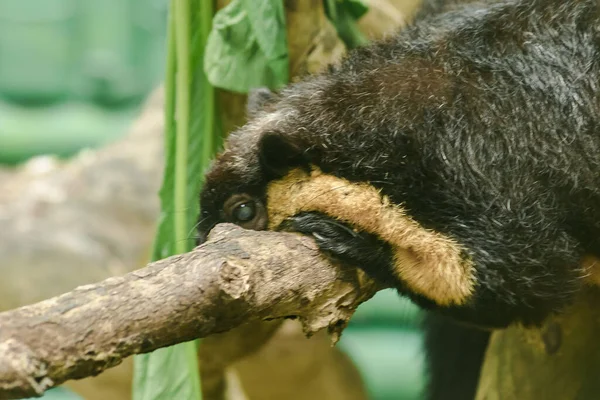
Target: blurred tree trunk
{"type": "Point", "coordinates": [559, 361]}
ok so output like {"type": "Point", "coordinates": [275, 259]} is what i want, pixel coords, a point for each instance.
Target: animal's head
{"type": "Point", "coordinates": [264, 177]}
{"type": "Point", "coordinates": [235, 187]}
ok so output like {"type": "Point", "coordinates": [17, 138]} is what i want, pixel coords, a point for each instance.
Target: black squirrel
{"type": "Point", "coordinates": [457, 161]}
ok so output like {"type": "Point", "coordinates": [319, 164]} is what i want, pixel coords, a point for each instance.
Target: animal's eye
{"type": "Point", "coordinates": [244, 212]}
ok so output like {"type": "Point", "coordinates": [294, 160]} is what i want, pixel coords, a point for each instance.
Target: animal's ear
{"type": "Point", "coordinates": [278, 155]}
{"type": "Point", "coordinates": [257, 100]}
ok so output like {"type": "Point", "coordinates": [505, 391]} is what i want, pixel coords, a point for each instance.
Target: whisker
{"type": "Point", "coordinates": [197, 224]}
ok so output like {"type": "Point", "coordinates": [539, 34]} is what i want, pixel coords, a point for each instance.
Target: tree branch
{"type": "Point", "coordinates": [236, 277]}
{"type": "Point", "coordinates": [52, 242]}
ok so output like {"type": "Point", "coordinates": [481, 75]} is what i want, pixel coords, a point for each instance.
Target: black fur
{"type": "Point", "coordinates": [258, 99]}
{"type": "Point", "coordinates": [454, 356]}
{"type": "Point", "coordinates": [481, 121]}
{"type": "Point", "coordinates": [359, 249]}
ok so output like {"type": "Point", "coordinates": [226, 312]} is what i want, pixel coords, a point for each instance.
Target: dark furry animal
{"type": "Point", "coordinates": [470, 141]}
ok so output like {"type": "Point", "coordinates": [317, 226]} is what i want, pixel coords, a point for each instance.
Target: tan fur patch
{"type": "Point", "coordinates": [428, 262]}
{"type": "Point", "coordinates": [591, 266]}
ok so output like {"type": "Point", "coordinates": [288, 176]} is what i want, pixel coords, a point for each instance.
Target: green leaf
{"type": "Point", "coordinates": [166, 374]}
{"type": "Point", "coordinates": [267, 19]}
{"type": "Point", "coordinates": [191, 139]}
{"type": "Point", "coordinates": [356, 8]}
{"type": "Point", "coordinates": [247, 47]}
{"type": "Point", "coordinates": [344, 14]}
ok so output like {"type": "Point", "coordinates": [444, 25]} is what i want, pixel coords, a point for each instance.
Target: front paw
{"type": "Point", "coordinates": [333, 237]}
{"type": "Point", "coordinates": [340, 241]}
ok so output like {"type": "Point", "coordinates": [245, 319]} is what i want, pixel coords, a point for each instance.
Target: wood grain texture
{"type": "Point", "coordinates": [238, 276]}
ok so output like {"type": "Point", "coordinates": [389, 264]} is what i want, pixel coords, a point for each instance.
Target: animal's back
{"type": "Point", "coordinates": [462, 108]}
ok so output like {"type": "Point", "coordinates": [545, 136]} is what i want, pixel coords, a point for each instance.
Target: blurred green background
{"type": "Point", "coordinates": [74, 73]}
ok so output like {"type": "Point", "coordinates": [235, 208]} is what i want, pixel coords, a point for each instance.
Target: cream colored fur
{"type": "Point", "coordinates": [427, 262]}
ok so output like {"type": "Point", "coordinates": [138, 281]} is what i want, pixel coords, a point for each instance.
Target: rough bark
{"type": "Point", "coordinates": [237, 277]}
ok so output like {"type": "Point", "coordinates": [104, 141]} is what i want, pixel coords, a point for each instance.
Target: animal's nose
{"type": "Point", "coordinates": [201, 238]}
{"type": "Point", "coordinates": [202, 235]}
